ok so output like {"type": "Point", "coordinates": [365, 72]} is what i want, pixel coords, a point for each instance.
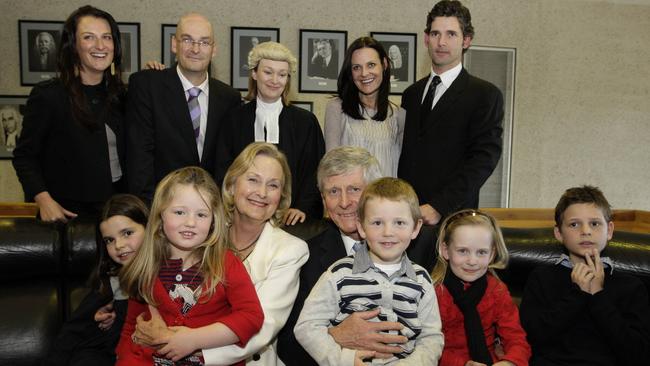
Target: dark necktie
{"type": "Point", "coordinates": [428, 99]}
{"type": "Point", "coordinates": [195, 110]}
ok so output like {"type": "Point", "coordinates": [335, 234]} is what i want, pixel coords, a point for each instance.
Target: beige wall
{"type": "Point", "coordinates": [582, 95]}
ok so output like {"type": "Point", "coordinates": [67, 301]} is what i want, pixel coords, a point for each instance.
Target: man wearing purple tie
{"type": "Point", "coordinates": [173, 116]}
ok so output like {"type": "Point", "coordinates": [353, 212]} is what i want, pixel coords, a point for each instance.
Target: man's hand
{"type": "Point", "coordinates": [356, 332]}
{"type": "Point", "coordinates": [429, 214]}
{"type": "Point", "coordinates": [50, 210]}
{"type": "Point", "coordinates": [361, 355]}
{"type": "Point", "coordinates": [105, 316]}
{"type": "Point", "coordinates": [152, 333]}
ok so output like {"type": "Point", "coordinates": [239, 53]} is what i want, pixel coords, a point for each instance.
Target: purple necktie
{"type": "Point", "coordinates": [195, 110]}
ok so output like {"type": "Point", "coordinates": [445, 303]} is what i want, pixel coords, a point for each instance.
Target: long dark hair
{"type": "Point", "coordinates": [348, 91]}
{"type": "Point", "coordinates": [69, 65]}
{"type": "Point", "coordinates": [119, 205]}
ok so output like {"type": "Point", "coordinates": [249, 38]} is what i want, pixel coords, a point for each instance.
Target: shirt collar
{"type": "Point", "coordinates": [348, 242]}
{"type": "Point", "coordinates": [565, 261]}
{"type": "Point", "coordinates": [448, 76]}
{"type": "Point", "coordinates": [187, 85]}
{"type": "Point", "coordinates": [363, 263]}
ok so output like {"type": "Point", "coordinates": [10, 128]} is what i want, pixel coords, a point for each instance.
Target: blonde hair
{"type": "Point", "coordinates": [393, 189]}
{"type": "Point", "coordinates": [138, 277]}
{"type": "Point", "coordinates": [469, 217]}
{"type": "Point", "coordinates": [242, 163]}
{"type": "Point", "coordinates": [269, 51]}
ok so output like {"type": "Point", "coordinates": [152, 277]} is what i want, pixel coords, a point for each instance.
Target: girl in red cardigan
{"type": "Point", "coordinates": [475, 306]}
{"type": "Point", "coordinates": [185, 272]}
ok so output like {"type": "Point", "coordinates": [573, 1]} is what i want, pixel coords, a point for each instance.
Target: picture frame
{"type": "Point", "coordinates": [38, 41]}
{"type": "Point", "coordinates": [308, 106]}
{"type": "Point", "coordinates": [130, 40]}
{"type": "Point", "coordinates": [242, 40]}
{"type": "Point", "coordinates": [498, 66]}
{"type": "Point", "coordinates": [167, 57]}
{"type": "Point", "coordinates": [12, 109]}
{"type": "Point", "coordinates": [321, 57]}
{"type": "Point", "coordinates": [401, 49]}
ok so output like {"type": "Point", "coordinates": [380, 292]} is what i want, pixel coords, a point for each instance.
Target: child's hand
{"type": "Point", "coordinates": [503, 363]}
{"type": "Point", "coordinates": [105, 316]}
{"type": "Point", "coordinates": [582, 275]}
{"type": "Point", "coordinates": [596, 267]}
{"type": "Point", "coordinates": [180, 344]}
{"type": "Point", "coordinates": [361, 355]}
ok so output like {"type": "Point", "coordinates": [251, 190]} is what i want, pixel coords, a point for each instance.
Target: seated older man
{"type": "Point", "coordinates": [343, 173]}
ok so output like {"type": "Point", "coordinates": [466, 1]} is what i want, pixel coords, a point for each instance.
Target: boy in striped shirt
{"type": "Point", "coordinates": [378, 275]}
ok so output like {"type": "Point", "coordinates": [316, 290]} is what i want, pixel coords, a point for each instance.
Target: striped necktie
{"type": "Point", "coordinates": [195, 110]}
{"type": "Point", "coordinates": [357, 246]}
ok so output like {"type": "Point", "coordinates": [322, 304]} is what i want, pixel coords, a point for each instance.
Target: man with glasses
{"type": "Point", "coordinates": [173, 115]}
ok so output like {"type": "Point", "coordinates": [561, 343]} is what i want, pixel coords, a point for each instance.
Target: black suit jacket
{"type": "Point", "coordinates": [301, 140]}
{"type": "Point", "coordinates": [160, 137]}
{"type": "Point", "coordinates": [319, 69]}
{"type": "Point", "coordinates": [57, 154]}
{"type": "Point", "coordinates": [448, 159]}
{"type": "Point", "coordinates": [325, 249]}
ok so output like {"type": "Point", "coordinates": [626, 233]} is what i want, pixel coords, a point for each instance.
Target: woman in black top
{"type": "Point", "coordinates": [68, 155]}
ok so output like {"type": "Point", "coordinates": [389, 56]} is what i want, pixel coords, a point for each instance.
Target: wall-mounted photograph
{"type": "Point", "coordinates": [130, 40]}
{"type": "Point", "coordinates": [308, 106]}
{"type": "Point", "coordinates": [38, 41]}
{"type": "Point", "coordinates": [11, 122]}
{"type": "Point", "coordinates": [242, 40]}
{"type": "Point", "coordinates": [168, 57]}
{"type": "Point", "coordinates": [402, 50]}
{"type": "Point", "coordinates": [321, 58]}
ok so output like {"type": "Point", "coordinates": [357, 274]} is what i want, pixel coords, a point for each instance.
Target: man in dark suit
{"type": "Point", "coordinates": [342, 175]}
{"type": "Point", "coordinates": [452, 135]}
{"type": "Point", "coordinates": [324, 62]}
{"type": "Point", "coordinates": [174, 115]}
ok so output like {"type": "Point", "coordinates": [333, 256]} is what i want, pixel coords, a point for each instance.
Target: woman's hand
{"type": "Point", "coordinates": [105, 316]}
{"type": "Point", "coordinates": [50, 210]}
{"type": "Point", "coordinates": [151, 333]}
{"type": "Point", "coordinates": [154, 65]}
{"type": "Point", "coordinates": [293, 216]}
{"type": "Point", "coordinates": [179, 345]}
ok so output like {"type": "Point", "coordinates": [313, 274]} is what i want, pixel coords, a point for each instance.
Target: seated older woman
{"type": "Point", "coordinates": [269, 117]}
{"type": "Point", "coordinates": [256, 193]}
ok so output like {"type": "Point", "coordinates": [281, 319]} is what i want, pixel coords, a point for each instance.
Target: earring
{"type": "Point", "coordinates": [113, 68]}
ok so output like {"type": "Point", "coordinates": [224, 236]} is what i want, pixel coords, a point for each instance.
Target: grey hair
{"type": "Point", "coordinates": [344, 159]}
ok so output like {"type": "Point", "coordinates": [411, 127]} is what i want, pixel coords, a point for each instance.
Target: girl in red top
{"type": "Point", "coordinates": [475, 306]}
{"type": "Point", "coordinates": [185, 272]}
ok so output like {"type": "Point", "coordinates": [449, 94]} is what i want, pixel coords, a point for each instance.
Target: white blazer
{"type": "Point", "coordinates": [274, 267]}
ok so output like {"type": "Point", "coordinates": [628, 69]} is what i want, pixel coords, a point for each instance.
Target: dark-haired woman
{"type": "Point", "coordinates": [68, 155]}
{"type": "Point", "coordinates": [362, 115]}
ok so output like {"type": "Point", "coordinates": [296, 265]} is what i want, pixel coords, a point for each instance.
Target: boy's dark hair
{"type": "Point", "coordinates": [584, 194]}
{"type": "Point", "coordinates": [453, 8]}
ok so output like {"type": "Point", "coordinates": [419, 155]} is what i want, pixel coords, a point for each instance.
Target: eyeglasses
{"type": "Point", "coordinates": [189, 43]}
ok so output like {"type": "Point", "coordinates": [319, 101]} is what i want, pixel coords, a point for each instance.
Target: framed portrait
{"type": "Point", "coordinates": [38, 41]}
{"type": "Point", "coordinates": [12, 109]}
{"type": "Point", "coordinates": [402, 50]}
{"type": "Point", "coordinates": [130, 40]}
{"type": "Point", "coordinates": [242, 40]}
{"type": "Point", "coordinates": [321, 58]}
{"type": "Point", "coordinates": [497, 65]}
{"type": "Point", "coordinates": [168, 58]}
{"type": "Point", "coordinates": [308, 106]}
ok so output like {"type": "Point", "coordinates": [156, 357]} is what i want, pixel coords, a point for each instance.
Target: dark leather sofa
{"type": "Point", "coordinates": [44, 267]}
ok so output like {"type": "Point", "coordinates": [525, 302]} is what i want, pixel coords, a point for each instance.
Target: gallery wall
{"type": "Point", "coordinates": [582, 92]}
